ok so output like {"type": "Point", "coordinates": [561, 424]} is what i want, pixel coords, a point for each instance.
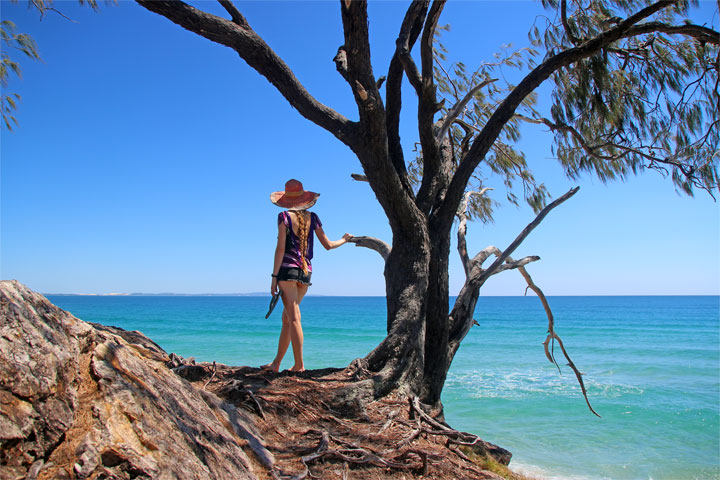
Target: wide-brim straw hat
{"type": "Point", "coordinates": [294, 196]}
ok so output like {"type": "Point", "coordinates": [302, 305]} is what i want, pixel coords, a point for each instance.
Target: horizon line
{"type": "Point", "coordinates": [267, 294]}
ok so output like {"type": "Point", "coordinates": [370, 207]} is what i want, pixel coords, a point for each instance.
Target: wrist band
{"type": "Point", "coordinates": [273, 275]}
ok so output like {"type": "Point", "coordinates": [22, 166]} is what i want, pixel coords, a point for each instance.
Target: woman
{"type": "Point", "coordinates": [292, 268]}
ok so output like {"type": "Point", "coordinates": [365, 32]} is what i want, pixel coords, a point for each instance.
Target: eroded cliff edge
{"type": "Point", "coordinates": [79, 400]}
{"type": "Point", "coordinates": [82, 400]}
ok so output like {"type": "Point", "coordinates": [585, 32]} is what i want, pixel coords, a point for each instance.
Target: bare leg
{"type": "Point", "coordinates": [283, 344]}
{"type": "Point", "coordinates": [291, 332]}
{"type": "Point", "coordinates": [295, 296]}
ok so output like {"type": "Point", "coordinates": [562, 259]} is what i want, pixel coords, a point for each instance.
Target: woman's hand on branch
{"type": "Point", "coordinates": [345, 238]}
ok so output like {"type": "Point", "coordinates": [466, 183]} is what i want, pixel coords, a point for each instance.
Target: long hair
{"type": "Point", "coordinates": [303, 234]}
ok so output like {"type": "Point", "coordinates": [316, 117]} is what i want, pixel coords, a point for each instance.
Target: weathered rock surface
{"type": "Point", "coordinates": [87, 401]}
{"type": "Point", "coordinates": [79, 400]}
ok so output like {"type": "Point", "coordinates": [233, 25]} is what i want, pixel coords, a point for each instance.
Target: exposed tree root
{"type": "Point", "coordinates": [311, 435]}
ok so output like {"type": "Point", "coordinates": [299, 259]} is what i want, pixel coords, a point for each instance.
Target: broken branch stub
{"type": "Point", "coordinates": [372, 243]}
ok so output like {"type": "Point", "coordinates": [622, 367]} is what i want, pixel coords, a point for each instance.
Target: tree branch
{"type": "Point", "coordinates": [698, 32]}
{"type": "Point", "coordinates": [433, 176]}
{"type": "Point", "coordinates": [495, 124]}
{"type": "Point", "coordinates": [475, 275]}
{"type": "Point", "coordinates": [358, 177]}
{"type": "Point", "coordinates": [237, 17]}
{"type": "Point", "coordinates": [372, 148]}
{"type": "Point", "coordinates": [462, 229]}
{"type": "Point", "coordinates": [593, 150]}
{"type": "Point", "coordinates": [460, 317]}
{"type": "Point", "coordinates": [411, 70]}
{"type": "Point", "coordinates": [521, 237]}
{"type": "Point", "coordinates": [484, 254]}
{"type": "Point", "coordinates": [426, 44]}
{"type": "Point", "coordinates": [566, 26]}
{"type": "Point", "coordinates": [357, 48]}
{"type": "Point", "coordinates": [372, 243]}
{"type": "Point", "coordinates": [511, 264]}
{"type": "Point", "coordinates": [552, 336]}
{"type": "Point", "coordinates": [457, 109]}
{"type": "Point", "coordinates": [409, 32]}
{"type": "Point", "coordinates": [260, 57]}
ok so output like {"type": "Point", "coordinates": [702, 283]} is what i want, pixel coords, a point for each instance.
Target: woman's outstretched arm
{"type": "Point", "coordinates": [330, 244]}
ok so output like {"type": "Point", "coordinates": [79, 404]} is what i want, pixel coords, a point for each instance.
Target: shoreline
{"type": "Point", "coordinates": [264, 294]}
{"type": "Point", "coordinates": [490, 393]}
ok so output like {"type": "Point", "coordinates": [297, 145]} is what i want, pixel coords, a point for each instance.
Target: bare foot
{"type": "Point", "coordinates": [295, 369]}
{"type": "Point", "coordinates": [270, 366]}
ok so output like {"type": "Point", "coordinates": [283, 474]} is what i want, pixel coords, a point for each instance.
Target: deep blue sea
{"type": "Point", "coordinates": [651, 365]}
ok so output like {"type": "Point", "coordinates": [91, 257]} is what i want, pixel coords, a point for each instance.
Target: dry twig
{"type": "Point", "coordinates": [211, 376]}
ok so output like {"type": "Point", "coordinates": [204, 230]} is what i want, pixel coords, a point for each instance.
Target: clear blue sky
{"type": "Point", "coordinates": [145, 156]}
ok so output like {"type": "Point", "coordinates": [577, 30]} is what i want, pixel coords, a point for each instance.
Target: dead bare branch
{"type": "Point", "coordinates": [256, 403]}
{"type": "Point", "coordinates": [484, 254]}
{"type": "Point", "coordinates": [462, 312]}
{"type": "Point", "coordinates": [372, 243]}
{"type": "Point", "coordinates": [214, 371]}
{"type": "Point", "coordinates": [521, 237]}
{"type": "Point", "coordinates": [511, 265]}
{"type": "Point", "coordinates": [357, 456]}
{"type": "Point", "coordinates": [462, 228]}
{"type": "Point", "coordinates": [410, 438]}
{"type": "Point", "coordinates": [552, 336]}
{"type": "Point", "coordinates": [358, 177]}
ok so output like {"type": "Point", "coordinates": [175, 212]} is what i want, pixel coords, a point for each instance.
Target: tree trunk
{"type": "Point", "coordinates": [414, 357]}
{"type": "Point", "coordinates": [397, 362]}
{"type": "Point", "coordinates": [436, 322]}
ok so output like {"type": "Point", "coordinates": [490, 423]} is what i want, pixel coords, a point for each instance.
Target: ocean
{"type": "Point", "coordinates": [651, 365]}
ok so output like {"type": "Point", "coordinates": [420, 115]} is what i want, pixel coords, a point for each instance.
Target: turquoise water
{"type": "Point", "coordinates": [651, 364]}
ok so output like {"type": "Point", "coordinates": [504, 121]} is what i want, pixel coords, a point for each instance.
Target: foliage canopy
{"type": "Point", "coordinates": [648, 101]}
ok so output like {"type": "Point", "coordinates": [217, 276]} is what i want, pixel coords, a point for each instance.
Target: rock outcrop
{"type": "Point", "coordinates": [79, 400]}
{"type": "Point", "coordinates": [87, 401]}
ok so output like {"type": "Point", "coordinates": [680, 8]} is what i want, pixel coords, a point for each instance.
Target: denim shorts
{"type": "Point", "coordinates": [293, 274]}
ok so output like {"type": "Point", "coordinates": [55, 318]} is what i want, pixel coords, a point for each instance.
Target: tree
{"type": "Point", "coordinates": [24, 43]}
{"type": "Point", "coordinates": [636, 88]}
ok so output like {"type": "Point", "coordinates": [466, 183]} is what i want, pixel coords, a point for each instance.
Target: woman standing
{"type": "Point", "coordinates": [292, 268]}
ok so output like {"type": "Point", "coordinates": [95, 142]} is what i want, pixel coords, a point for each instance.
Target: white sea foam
{"type": "Point", "coordinates": [514, 384]}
